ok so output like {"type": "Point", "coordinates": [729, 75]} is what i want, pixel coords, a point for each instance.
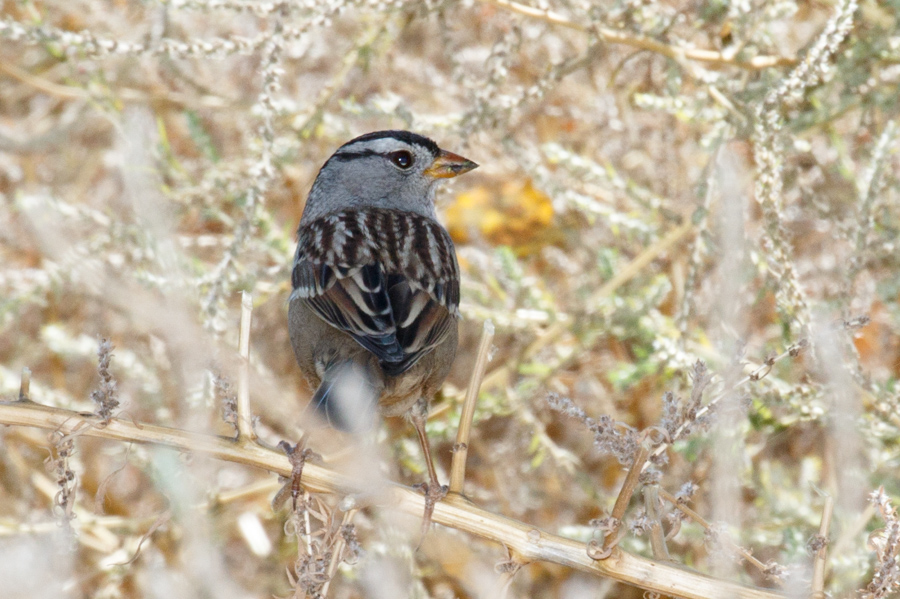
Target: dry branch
{"type": "Point", "coordinates": [820, 546]}
{"type": "Point", "coordinates": [461, 449]}
{"type": "Point", "coordinates": [524, 540]}
{"type": "Point", "coordinates": [645, 43]}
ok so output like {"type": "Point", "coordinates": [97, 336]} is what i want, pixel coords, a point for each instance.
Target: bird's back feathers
{"type": "Point", "coordinates": [390, 279]}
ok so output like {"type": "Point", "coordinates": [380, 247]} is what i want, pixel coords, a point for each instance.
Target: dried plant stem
{"type": "Point", "coordinates": [256, 489]}
{"type": "Point", "coordinates": [48, 87]}
{"type": "Point", "coordinates": [454, 511]}
{"type": "Point", "coordinates": [754, 375]}
{"type": "Point", "coordinates": [869, 188]}
{"type": "Point", "coordinates": [769, 154]}
{"type": "Point", "coordinates": [349, 63]}
{"type": "Point", "coordinates": [337, 555]}
{"type": "Point", "coordinates": [244, 418]}
{"type": "Point", "coordinates": [614, 36]}
{"type": "Point", "coordinates": [506, 579]}
{"type": "Point", "coordinates": [819, 563]}
{"type": "Point", "coordinates": [461, 449]}
{"type": "Point", "coordinates": [93, 529]}
{"type": "Point", "coordinates": [657, 536]}
{"type": "Point", "coordinates": [25, 385]}
{"type": "Point", "coordinates": [642, 260]}
{"type": "Point", "coordinates": [307, 523]}
{"type": "Point", "coordinates": [124, 94]}
{"type": "Point", "coordinates": [628, 487]}
{"type": "Point", "coordinates": [707, 526]}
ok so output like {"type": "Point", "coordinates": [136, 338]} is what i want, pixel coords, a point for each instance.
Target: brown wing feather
{"type": "Point", "coordinates": [390, 279]}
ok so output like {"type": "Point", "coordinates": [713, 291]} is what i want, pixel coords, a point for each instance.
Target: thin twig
{"type": "Point", "coordinates": [657, 536]}
{"type": "Point", "coordinates": [307, 538]}
{"type": "Point", "coordinates": [613, 535]}
{"type": "Point", "coordinates": [359, 53]}
{"type": "Point", "coordinates": [161, 520]}
{"type": "Point", "coordinates": [819, 563]}
{"type": "Point", "coordinates": [707, 526]}
{"type": "Point", "coordinates": [25, 385]}
{"type": "Point", "coordinates": [244, 418]}
{"type": "Point", "coordinates": [641, 261]}
{"type": "Point", "coordinates": [47, 87]}
{"type": "Point", "coordinates": [756, 374]}
{"type": "Point", "coordinates": [461, 449]}
{"type": "Point", "coordinates": [252, 490]}
{"type": "Point", "coordinates": [454, 511]}
{"type": "Point", "coordinates": [507, 569]}
{"type": "Point", "coordinates": [614, 36]}
{"type": "Point", "coordinates": [68, 92]}
{"type": "Point", "coordinates": [337, 555]}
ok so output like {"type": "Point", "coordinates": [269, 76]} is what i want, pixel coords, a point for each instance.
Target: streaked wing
{"type": "Point", "coordinates": [422, 322]}
{"type": "Point", "coordinates": [359, 304]}
{"type": "Point", "coordinates": [387, 278]}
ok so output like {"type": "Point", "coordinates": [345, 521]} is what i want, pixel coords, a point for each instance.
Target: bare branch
{"type": "Point", "coordinates": [644, 43]}
{"type": "Point", "coordinates": [454, 511]}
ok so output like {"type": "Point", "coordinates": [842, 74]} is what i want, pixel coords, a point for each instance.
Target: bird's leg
{"type": "Point", "coordinates": [419, 423]}
{"type": "Point", "coordinates": [434, 490]}
{"type": "Point", "coordinates": [298, 455]}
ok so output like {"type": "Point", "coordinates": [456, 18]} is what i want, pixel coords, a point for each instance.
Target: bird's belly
{"type": "Point", "coordinates": [401, 392]}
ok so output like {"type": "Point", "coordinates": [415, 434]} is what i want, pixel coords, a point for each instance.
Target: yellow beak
{"type": "Point", "coordinates": [448, 164]}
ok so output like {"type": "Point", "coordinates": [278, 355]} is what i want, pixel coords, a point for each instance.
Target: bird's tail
{"type": "Point", "coordinates": [348, 395]}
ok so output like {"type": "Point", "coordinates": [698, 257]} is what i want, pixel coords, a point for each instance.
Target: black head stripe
{"type": "Point", "coordinates": [345, 156]}
{"type": "Point", "coordinates": [404, 136]}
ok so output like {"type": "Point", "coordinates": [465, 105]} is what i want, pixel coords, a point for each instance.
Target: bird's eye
{"type": "Point", "coordinates": [401, 158]}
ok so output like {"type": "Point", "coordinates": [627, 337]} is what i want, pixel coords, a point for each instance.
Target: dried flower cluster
{"type": "Point", "coordinates": [886, 579]}
{"type": "Point", "coordinates": [106, 395]}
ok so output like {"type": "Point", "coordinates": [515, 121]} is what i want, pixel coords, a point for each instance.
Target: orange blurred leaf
{"type": "Point", "coordinates": [514, 214]}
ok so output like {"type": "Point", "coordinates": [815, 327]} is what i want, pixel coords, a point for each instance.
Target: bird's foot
{"type": "Point", "coordinates": [298, 455]}
{"type": "Point", "coordinates": [433, 492]}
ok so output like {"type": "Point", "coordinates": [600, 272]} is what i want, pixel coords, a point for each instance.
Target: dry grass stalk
{"type": "Point", "coordinates": [464, 431]}
{"type": "Point", "coordinates": [244, 415]}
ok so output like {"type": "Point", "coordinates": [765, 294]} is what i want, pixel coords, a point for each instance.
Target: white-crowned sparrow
{"type": "Point", "coordinates": [374, 308]}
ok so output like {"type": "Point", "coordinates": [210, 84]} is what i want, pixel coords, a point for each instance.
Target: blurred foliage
{"type": "Point", "coordinates": [516, 215]}
{"type": "Point", "coordinates": [661, 182]}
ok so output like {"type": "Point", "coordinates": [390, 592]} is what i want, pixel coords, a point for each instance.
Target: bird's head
{"type": "Point", "coordinates": [386, 169]}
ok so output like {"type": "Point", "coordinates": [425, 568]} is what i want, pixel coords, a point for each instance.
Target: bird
{"type": "Point", "coordinates": [374, 308]}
